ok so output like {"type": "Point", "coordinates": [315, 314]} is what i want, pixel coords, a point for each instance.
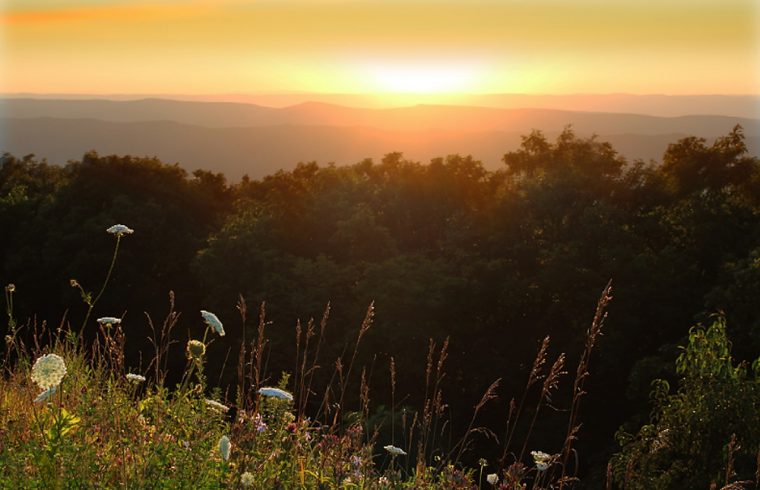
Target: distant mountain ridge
{"type": "Point", "coordinates": [647, 104]}
{"type": "Point", "coordinates": [249, 139]}
{"type": "Point", "coordinates": [420, 117]}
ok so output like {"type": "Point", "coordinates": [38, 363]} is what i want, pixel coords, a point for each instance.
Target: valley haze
{"type": "Point", "coordinates": [256, 140]}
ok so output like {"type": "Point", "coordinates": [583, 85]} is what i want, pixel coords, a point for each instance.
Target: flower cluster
{"type": "Point", "coordinates": [213, 404]}
{"type": "Point", "coordinates": [394, 451]}
{"type": "Point", "coordinates": [247, 480]}
{"type": "Point", "coordinates": [542, 460]}
{"type": "Point", "coordinates": [225, 446]}
{"type": "Point", "coordinates": [213, 321]}
{"type": "Point", "coordinates": [137, 378]}
{"type": "Point", "coordinates": [109, 320]}
{"type": "Point", "coordinates": [276, 393]}
{"type": "Point", "coordinates": [120, 230]}
{"type": "Point", "coordinates": [48, 371]}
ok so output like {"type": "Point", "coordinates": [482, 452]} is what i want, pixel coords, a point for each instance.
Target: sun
{"type": "Point", "coordinates": [421, 78]}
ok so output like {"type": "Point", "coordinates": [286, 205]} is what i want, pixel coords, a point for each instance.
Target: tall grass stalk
{"type": "Point", "coordinates": [581, 374]}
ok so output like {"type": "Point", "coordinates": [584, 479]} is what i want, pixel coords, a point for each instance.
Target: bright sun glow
{"type": "Point", "coordinates": [421, 78]}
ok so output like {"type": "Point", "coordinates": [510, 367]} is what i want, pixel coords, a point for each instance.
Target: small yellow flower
{"type": "Point", "coordinates": [195, 349]}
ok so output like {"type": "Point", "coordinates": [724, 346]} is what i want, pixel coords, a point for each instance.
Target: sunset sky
{"type": "Point", "coordinates": [365, 46]}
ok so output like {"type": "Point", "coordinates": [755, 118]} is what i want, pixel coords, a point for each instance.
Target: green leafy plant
{"type": "Point", "coordinates": [688, 442]}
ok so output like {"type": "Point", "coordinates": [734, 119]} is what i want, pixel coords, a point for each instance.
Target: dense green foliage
{"type": "Point", "coordinates": [689, 440]}
{"type": "Point", "coordinates": [492, 260]}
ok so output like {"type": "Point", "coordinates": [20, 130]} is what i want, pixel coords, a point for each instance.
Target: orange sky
{"type": "Point", "coordinates": [391, 46]}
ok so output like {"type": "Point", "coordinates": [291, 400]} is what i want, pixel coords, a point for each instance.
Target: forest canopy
{"type": "Point", "coordinates": [491, 260]}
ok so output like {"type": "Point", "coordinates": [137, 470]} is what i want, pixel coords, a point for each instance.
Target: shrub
{"type": "Point", "coordinates": [707, 432]}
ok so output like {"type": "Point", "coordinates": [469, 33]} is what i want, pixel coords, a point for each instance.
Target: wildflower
{"type": "Point", "coordinates": [109, 320]}
{"type": "Point", "coordinates": [247, 480]}
{"type": "Point", "coordinates": [46, 394]}
{"type": "Point", "coordinates": [48, 371]}
{"type": "Point", "coordinates": [259, 424]}
{"type": "Point", "coordinates": [355, 460]}
{"type": "Point", "coordinates": [383, 480]}
{"type": "Point", "coordinates": [120, 230]}
{"type": "Point", "coordinates": [135, 377]}
{"type": "Point", "coordinates": [224, 447]}
{"type": "Point", "coordinates": [394, 451]}
{"type": "Point", "coordinates": [10, 287]}
{"type": "Point", "coordinates": [276, 392]}
{"type": "Point", "coordinates": [213, 321]}
{"type": "Point", "coordinates": [217, 406]}
{"type": "Point", "coordinates": [492, 478]}
{"type": "Point", "coordinates": [195, 349]}
{"type": "Point", "coordinates": [541, 459]}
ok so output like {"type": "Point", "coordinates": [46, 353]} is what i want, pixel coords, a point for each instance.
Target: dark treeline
{"type": "Point", "coordinates": [492, 260]}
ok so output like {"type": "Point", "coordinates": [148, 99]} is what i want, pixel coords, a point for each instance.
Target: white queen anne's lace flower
{"type": "Point", "coordinates": [48, 371]}
{"type": "Point", "coordinates": [542, 460]}
{"type": "Point", "coordinates": [225, 446]}
{"type": "Point", "coordinates": [213, 321]}
{"type": "Point", "coordinates": [492, 478]}
{"type": "Point", "coordinates": [217, 406]}
{"type": "Point", "coordinates": [247, 480]}
{"type": "Point", "coordinates": [137, 378]}
{"type": "Point", "coordinates": [394, 451]}
{"type": "Point", "coordinates": [109, 320]}
{"type": "Point", "coordinates": [276, 393]}
{"type": "Point", "coordinates": [120, 230]}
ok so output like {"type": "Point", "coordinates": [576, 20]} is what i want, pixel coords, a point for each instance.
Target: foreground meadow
{"type": "Point", "coordinates": [74, 415]}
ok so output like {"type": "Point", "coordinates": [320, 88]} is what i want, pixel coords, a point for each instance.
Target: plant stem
{"type": "Point", "coordinates": [91, 305]}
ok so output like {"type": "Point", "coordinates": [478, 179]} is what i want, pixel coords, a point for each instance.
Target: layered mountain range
{"type": "Point", "coordinates": [245, 138]}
